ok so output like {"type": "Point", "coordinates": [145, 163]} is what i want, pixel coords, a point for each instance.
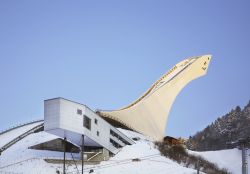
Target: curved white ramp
{"type": "Point", "coordinates": [149, 113]}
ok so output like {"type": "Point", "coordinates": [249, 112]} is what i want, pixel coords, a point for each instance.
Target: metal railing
{"type": "Point", "coordinates": [15, 140]}
{"type": "Point", "coordinates": [19, 125]}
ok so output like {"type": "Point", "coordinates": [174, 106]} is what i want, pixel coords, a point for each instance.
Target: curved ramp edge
{"type": "Point", "coordinates": [149, 113]}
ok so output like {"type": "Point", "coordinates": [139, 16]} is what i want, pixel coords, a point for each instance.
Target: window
{"type": "Point", "coordinates": [96, 121]}
{"type": "Point", "coordinates": [97, 133]}
{"type": "Point", "coordinates": [87, 122]}
{"type": "Point", "coordinates": [79, 111]}
{"type": "Point", "coordinates": [114, 134]}
{"type": "Point", "coordinates": [114, 143]}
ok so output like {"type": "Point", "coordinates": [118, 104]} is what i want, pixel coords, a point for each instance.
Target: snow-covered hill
{"type": "Point", "coordinates": [19, 159]}
{"type": "Point", "coordinates": [231, 127]}
{"type": "Point", "coordinates": [229, 159]}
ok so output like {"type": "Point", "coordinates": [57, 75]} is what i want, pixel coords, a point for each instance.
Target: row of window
{"type": "Point", "coordinates": [114, 134]}
{"type": "Point", "coordinates": [114, 143]}
{"type": "Point", "coordinates": [87, 124]}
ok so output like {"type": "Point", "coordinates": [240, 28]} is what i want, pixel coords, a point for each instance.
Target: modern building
{"type": "Point", "coordinates": [149, 114]}
{"type": "Point", "coordinates": [73, 121]}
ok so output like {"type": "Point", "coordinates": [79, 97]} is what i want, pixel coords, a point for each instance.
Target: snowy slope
{"type": "Point", "coordinates": [8, 136]}
{"type": "Point", "coordinates": [19, 159]}
{"type": "Point", "coordinates": [151, 162]}
{"type": "Point", "coordinates": [229, 159]}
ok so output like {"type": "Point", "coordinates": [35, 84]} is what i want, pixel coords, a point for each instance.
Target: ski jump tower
{"type": "Point", "coordinates": [149, 113]}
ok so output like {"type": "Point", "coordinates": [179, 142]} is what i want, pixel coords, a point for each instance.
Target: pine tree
{"type": "Point", "coordinates": [238, 109]}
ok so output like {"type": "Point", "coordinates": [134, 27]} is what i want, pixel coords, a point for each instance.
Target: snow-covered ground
{"type": "Point", "coordinates": [229, 159]}
{"type": "Point", "coordinates": [8, 136]}
{"type": "Point", "coordinates": [19, 159]}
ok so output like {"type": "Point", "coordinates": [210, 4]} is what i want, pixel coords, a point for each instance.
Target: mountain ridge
{"type": "Point", "coordinates": [228, 128]}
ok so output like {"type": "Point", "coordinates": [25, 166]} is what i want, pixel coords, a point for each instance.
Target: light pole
{"type": "Point", "coordinates": [243, 144]}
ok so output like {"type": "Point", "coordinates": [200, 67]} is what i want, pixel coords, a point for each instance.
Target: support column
{"type": "Point", "coordinates": [82, 150]}
{"type": "Point", "coordinates": [64, 154]}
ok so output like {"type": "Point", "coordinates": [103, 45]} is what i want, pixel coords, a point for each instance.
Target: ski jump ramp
{"type": "Point", "coordinates": [149, 113]}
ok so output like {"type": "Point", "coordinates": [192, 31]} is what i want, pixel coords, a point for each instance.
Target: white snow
{"type": "Point", "coordinates": [8, 136]}
{"type": "Point", "coordinates": [150, 162]}
{"type": "Point", "coordinates": [229, 159]}
{"type": "Point", "coordinates": [19, 159]}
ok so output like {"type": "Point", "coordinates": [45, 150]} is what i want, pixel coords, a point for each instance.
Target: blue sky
{"type": "Point", "coordinates": [105, 54]}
